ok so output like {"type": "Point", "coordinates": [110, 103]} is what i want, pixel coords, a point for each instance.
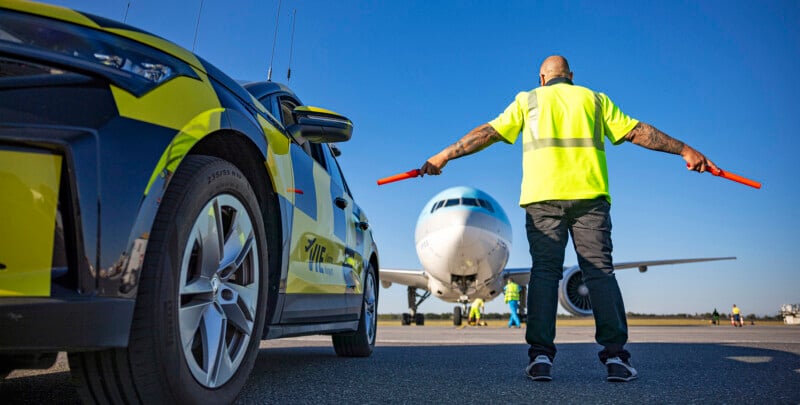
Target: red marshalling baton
{"type": "Point", "coordinates": [401, 176]}
{"type": "Point", "coordinates": [733, 177]}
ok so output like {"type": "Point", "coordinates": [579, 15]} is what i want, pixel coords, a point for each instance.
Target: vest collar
{"type": "Point", "coordinates": [557, 80]}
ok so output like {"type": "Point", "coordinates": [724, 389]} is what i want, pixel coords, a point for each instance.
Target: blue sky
{"type": "Point", "coordinates": [415, 76]}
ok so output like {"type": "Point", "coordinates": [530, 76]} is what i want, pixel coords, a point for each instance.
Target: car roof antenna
{"type": "Point", "coordinates": [197, 25]}
{"type": "Point", "coordinates": [274, 40]}
{"type": "Point", "coordinates": [125, 18]}
{"type": "Point", "coordinates": [291, 46]}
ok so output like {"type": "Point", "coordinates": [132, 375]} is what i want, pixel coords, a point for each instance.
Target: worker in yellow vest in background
{"type": "Point", "coordinates": [736, 316]}
{"type": "Point", "coordinates": [475, 312]}
{"type": "Point", "coordinates": [511, 291]}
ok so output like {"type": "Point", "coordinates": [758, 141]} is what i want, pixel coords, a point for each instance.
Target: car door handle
{"type": "Point", "coordinates": [340, 202]}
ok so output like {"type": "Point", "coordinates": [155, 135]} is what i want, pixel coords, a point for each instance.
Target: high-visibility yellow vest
{"type": "Point", "coordinates": [512, 292]}
{"type": "Point", "coordinates": [563, 129]}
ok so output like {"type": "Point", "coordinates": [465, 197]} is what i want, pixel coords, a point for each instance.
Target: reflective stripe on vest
{"type": "Point", "coordinates": [533, 142]}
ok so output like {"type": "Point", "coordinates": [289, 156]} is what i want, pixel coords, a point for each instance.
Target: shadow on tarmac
{"type": "Point", "coordinates": [669, 373]}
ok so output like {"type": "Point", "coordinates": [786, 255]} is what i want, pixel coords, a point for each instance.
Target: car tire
{"type": "Point", "coordinates": [362, 342]}
{"type": "Point", "coordinates": [202, 297]}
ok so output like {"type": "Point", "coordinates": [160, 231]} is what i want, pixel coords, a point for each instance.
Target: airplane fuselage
{"type": "Point", "coordinates": [463, 239]}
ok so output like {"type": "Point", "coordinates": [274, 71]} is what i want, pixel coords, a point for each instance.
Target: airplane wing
{"type": "Point", "coordinates": [412, 278]}
{"type": "Point", "coordinates": [642, 266]}
{"type": "Point", "coordinates": [521, 275]}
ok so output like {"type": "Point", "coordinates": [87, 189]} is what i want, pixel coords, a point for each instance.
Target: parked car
{"type": "Point", "coordinates": [158, 220]}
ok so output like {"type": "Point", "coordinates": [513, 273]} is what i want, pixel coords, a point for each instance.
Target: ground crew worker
{"type": "Point", "coordinates": [715, 317]}
{"type": "Point", "coordinates": [736, 316]}
{"type": "Point", "coordinates": [565, 193]}
{"type": "Point", "coordinates": [511, 291]}
{"type": "Point", "coordinates": [475, 311]}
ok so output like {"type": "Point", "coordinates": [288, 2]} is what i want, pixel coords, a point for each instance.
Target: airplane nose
{"type": "Point", "coordinates": [462, 243]}
{"type": "Point", "coordinates": [462, 251]}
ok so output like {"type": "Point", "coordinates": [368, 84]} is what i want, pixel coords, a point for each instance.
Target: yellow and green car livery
{"type": "Point", "coordinates": [156, 215]}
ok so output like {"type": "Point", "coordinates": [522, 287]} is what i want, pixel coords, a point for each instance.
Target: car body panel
{"type": "Point", "coordinates": [107, 155]}
{"type": "Point", "coordinates": [29, 181]}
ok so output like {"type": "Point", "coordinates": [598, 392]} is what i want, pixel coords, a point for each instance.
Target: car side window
{"type": "Point", "coordinates": [283, 108]}
{"type": "Point", "coordinates": [316, 152]}
{"type": "Point", "coordinates": [287, 107]}
{"type": "Point", "coordinates": [271, 103]}
{"type": "Point", "coordinates": [334, 169]}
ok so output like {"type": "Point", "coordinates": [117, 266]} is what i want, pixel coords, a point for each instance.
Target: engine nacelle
{"type": "Point", "coordinates": [573, 293]}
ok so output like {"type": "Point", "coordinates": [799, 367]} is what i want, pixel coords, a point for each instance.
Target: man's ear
{"type": "Point", "coordinates": [570, 76]}
{"type": "Point", "coordinates": [541, 80]}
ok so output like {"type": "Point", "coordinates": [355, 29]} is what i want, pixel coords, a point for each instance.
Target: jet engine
{"type": "Point", "coordinates": [573, 293]}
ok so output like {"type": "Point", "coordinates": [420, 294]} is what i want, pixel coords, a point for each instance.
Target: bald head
{"type": "Point", "coordinates": [552, 67]}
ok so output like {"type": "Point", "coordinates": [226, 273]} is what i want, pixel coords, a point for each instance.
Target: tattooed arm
{"type": "Point", "coordinates": [650, 137]}
{"type": "Point", "coordinates": [474, 141]}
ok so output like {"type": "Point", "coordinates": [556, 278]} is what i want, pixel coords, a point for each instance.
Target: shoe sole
{"type": "Point", "coordinates": [621, 379]}
{"type": "Point", "coordinates": [541, 378]}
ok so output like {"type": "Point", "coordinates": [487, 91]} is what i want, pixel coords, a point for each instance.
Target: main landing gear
{"type": "Point", "coordinates": [414, 300]}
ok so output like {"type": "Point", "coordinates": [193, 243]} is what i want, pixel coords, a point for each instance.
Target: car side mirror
{"type": "Point", "coordinates": [319, 125]}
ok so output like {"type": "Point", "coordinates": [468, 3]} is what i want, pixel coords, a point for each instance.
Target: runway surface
{"type": "Point", "coordinates": [436, 364]}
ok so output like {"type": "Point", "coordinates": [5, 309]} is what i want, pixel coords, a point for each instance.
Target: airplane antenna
{"type": "Point", "coordinates": [197, 25]}
{"type": "Point", "coordinates": [274, 40]}
{"type": "Point", "coordinates": [291, 46]}
{"type": "Point", "coordinates": [125, 18]}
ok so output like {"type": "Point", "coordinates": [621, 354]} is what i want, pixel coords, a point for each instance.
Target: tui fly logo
{"type": "Point", "coordinates": [316, 258]}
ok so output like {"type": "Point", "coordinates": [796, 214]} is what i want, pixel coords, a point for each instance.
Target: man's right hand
{"type": "Point", "coordinates": [434, 165]}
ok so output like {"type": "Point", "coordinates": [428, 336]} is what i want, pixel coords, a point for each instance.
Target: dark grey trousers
{"type": "Point", "coordinates": [588, 222]}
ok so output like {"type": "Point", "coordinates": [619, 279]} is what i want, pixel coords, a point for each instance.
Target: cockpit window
{"type": "Point", "coordinates": [472, 202]}
{"type": "Point", "coordinates": [486, 204]}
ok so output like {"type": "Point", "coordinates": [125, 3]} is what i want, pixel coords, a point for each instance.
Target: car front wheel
{"type": "Point", "coordinates": [201, 300]}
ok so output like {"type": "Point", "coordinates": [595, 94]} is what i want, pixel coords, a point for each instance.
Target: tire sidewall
{"type": "Point", "coordinates": [210, 180]}
{"type": "Point", "coordinates": [371, 273]}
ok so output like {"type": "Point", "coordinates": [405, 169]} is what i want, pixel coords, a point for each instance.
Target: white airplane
{"type": "Point", "coordinates": [463, 238]}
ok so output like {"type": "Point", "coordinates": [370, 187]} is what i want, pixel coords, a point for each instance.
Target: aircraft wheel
{"type": "Point", "coordinates": [202, 297]}
{"type": "Point", "coordinates": [419, 319]}
{"type": "Point", "coordinates": [457, 316]}
{"type": "Point", "coordinates": [405, 319]}
{"type": "Point", "coordinates": [361, 343]}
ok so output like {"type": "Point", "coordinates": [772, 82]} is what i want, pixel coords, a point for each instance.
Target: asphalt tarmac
{"type": "Point", "coordinates": [447, 365]}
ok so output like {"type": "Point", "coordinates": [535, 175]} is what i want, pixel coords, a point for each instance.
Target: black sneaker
{"type": "Point", "coordinates": [539, 369]}
{"type": "Point", "coordinates": [620, 371]}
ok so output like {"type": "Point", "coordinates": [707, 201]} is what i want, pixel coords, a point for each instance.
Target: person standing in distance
{"type": "Point", "coordinates": [511, 291]}
{"type": "Point", "coordinates": [736, 316]}
{"type": "Point", "coordinates": [564, 192]}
